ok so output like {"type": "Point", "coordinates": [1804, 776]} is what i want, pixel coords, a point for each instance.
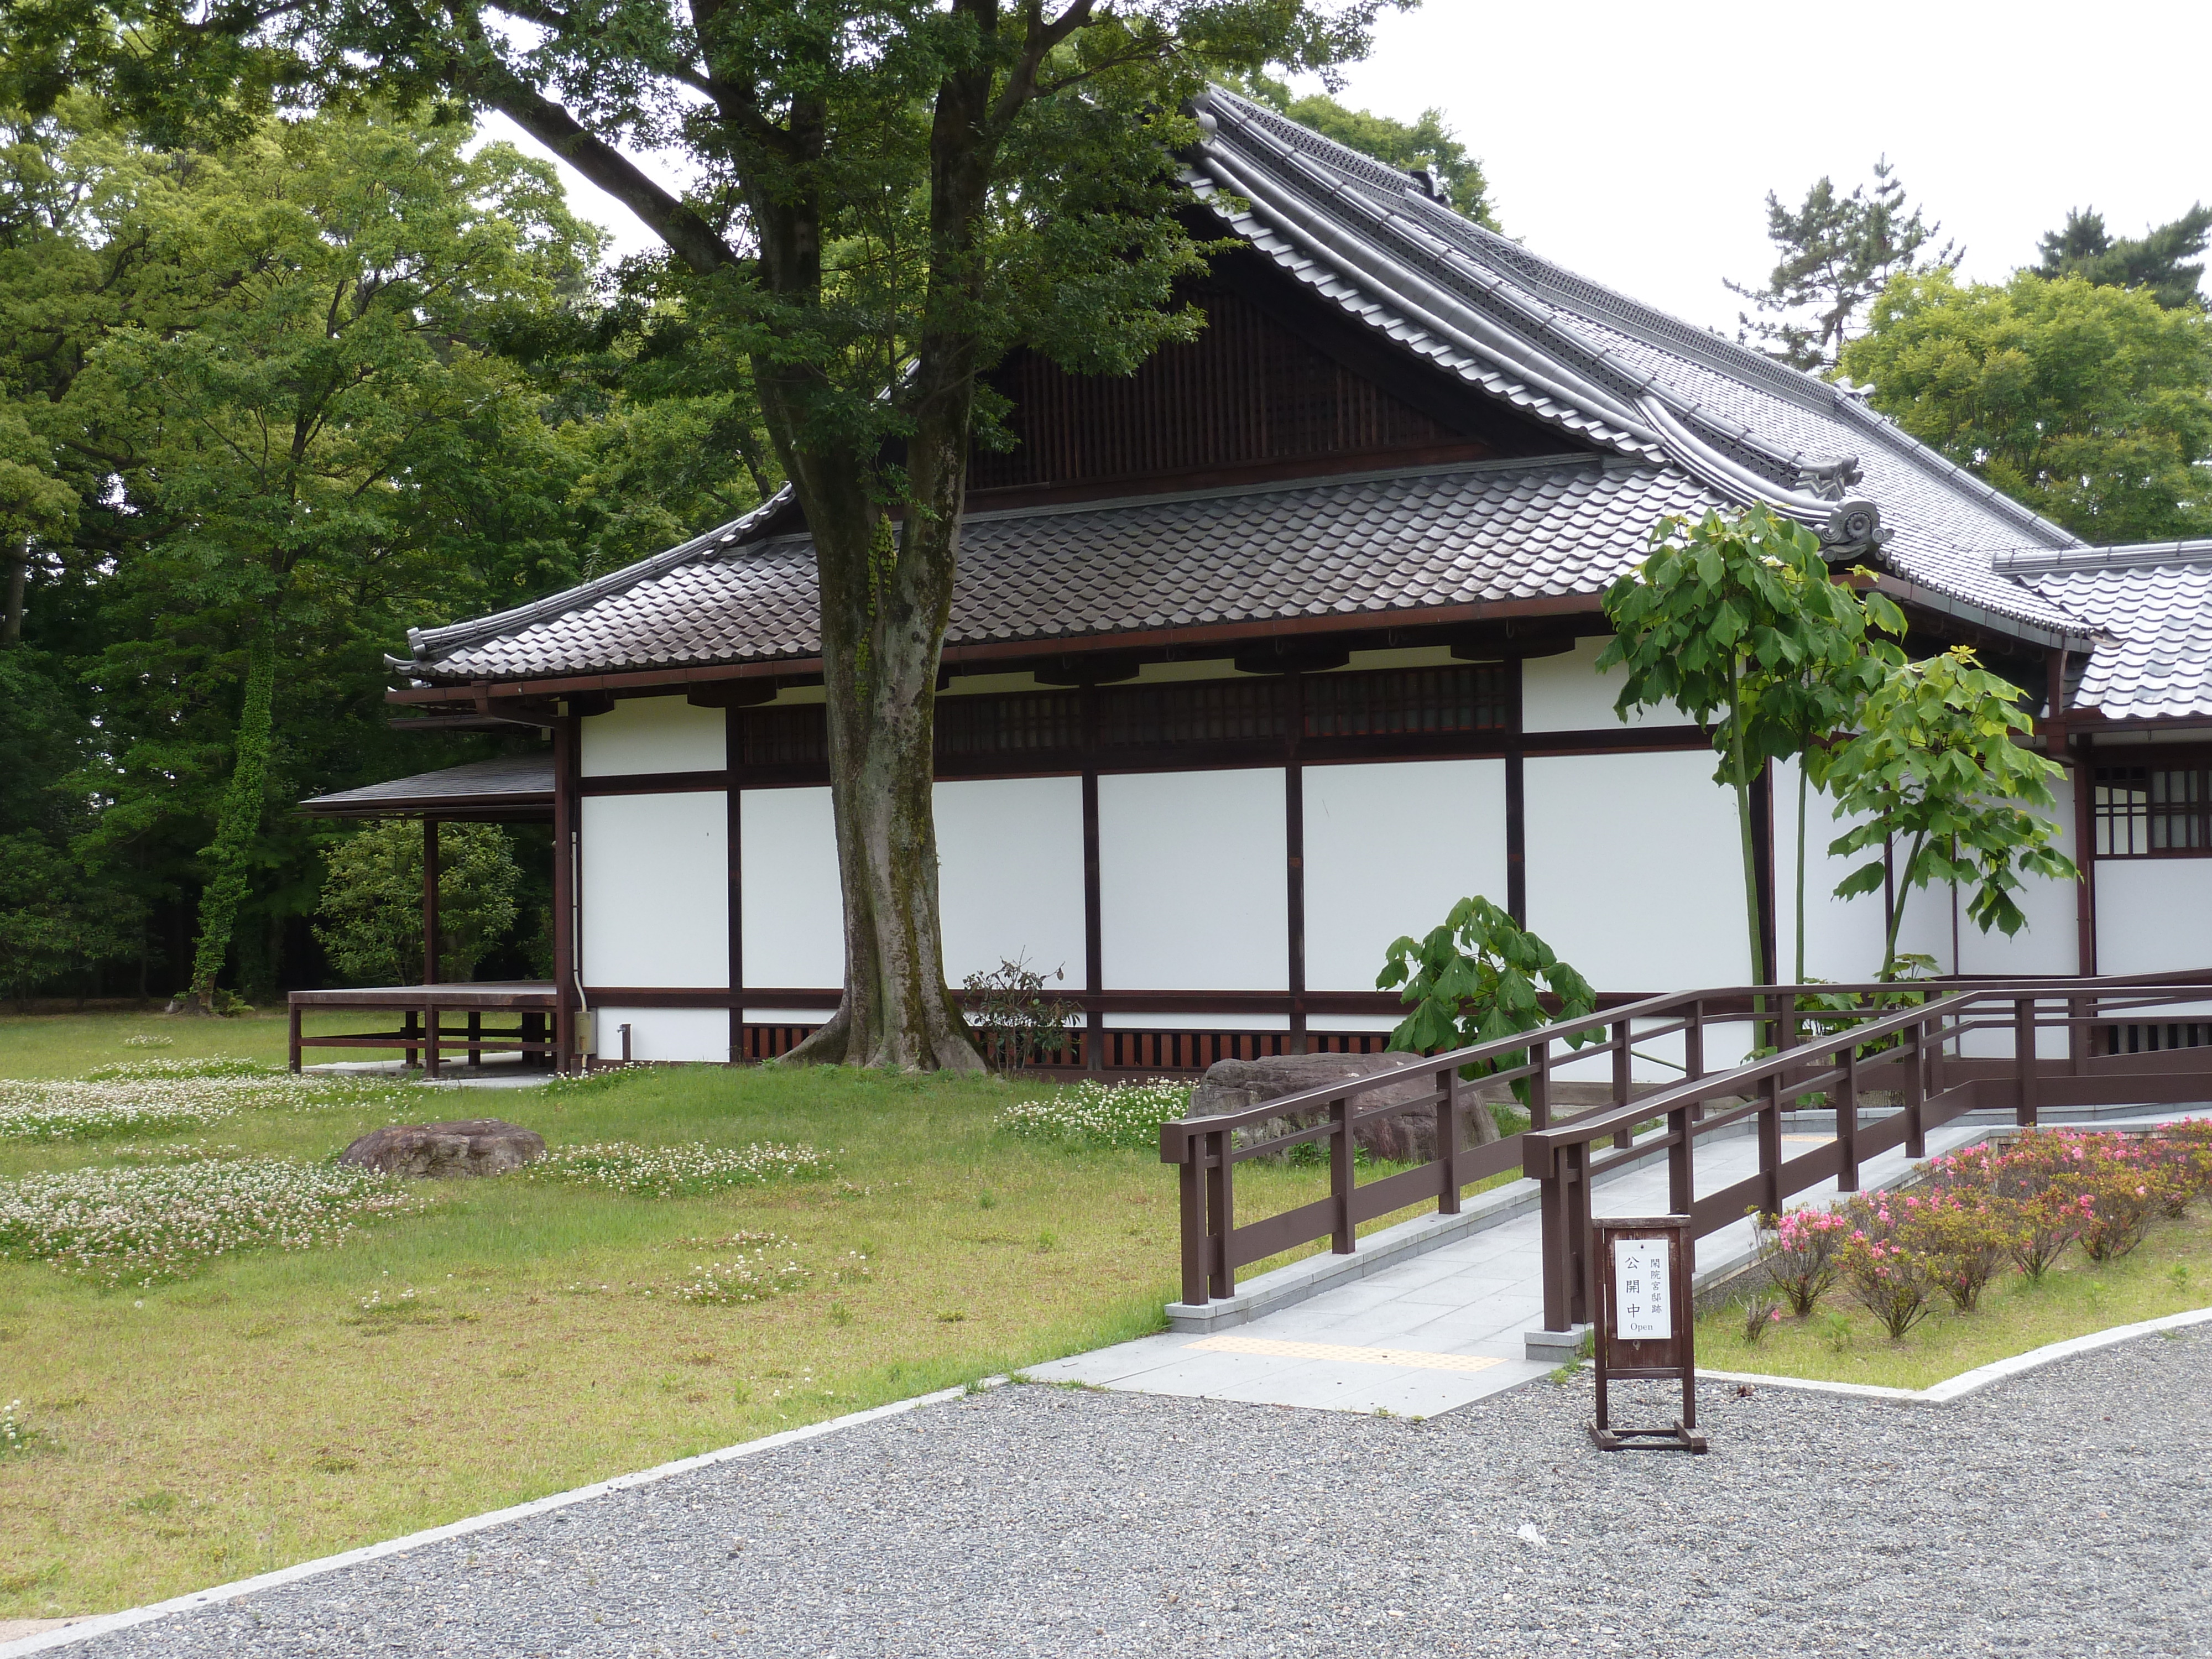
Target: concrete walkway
{"type": "Point", "coordinates": [1422, 1336]}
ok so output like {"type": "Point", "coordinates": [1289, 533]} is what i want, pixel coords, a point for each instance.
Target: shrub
{"type": "Point", "coordinates": [1963, 1236]}
{"type": "Point", "coordinates": [1799, 1250]}
{"type": "Point", "coordinates": [2183, 1151]}
{"type": "Point", "coordinates": [1761, 1314]}
{"type": "Point", "coordinates": [139, 1226]}
{"type": "Point", "coordinates": [1014, 1021]}
{"type": "Point", "coordinates": [1888, 1277]}
{"type": "Point", "coordinates": [687, 1172]}
{"type": "Point", "coordinates": [2122, 1197]}
{"type": "Point", "coordinates": [1091, 1114]}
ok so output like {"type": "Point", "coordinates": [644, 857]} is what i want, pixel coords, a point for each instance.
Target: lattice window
{"type": "Point", "coordinates": [1021, 723]}
{"type": "Point", "coordinates": [2144, 812]}
{"type": "Point", "coordinates": [1204, 711]}
{"type": "Point", "coordinates": [1396, 701]}
{"type": "Point", "coordinates": [785, 737]}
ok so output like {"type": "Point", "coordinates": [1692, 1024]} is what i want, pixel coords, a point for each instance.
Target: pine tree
{"type": "Point", "coordinates": [1837, 253]}
{"type": "Point", "coordinates": [2152, 261]}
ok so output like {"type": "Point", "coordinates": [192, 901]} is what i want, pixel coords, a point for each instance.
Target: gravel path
{"type": "Point", "coordinates": [2067, 1513]}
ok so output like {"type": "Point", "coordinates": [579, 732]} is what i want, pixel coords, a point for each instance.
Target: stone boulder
{"type": "Point", "coordinates": [1407, 1137]}
{"type": "Point", "coordinates": [475, 1147]}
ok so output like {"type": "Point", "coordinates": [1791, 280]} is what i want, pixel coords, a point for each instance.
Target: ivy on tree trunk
{"type": "Point", "coordinates": [240, 818]}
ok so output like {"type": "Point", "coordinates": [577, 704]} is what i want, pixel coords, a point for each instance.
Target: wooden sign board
{"type": "Point", "coordinates": [1646, 1324]}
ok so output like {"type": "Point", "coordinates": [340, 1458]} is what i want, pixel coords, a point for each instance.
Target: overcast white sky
{"type": "Point", "coordinates": [1635, 144]}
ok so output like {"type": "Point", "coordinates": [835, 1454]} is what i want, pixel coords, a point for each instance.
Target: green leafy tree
{"type": "Point", "coordinates": [1477, 978]}
{"type": "Point", "coordinates": [2156, 261]}
{"type": "Point", "coordinates": [2092, 404]}
{"type": "Point", "coordinates": [1936, 763]}
{"type": "Point", "coordinates": [1837, 252]}
{"type": "Point", "coordinates": [1425, 142]}
{"type": "Point", "coordinates": [1739, 622]}
{"type": "Point", "coordinates": [890, 195]}
{"type": "Point", "coordinates": [370, 916]}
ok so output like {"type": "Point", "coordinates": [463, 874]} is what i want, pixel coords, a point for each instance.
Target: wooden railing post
{"type": "Point", "coordinates": [2077, 1036]}
{"type": "Point", "coordinates": [1693, 1053]}
{"type": "Point", "coordinates": [432, 1017]}
{"type": "Point", "coordinates": [1847, 1122]}
{"type": "Point", "coordinates": [1915, 1090]}
{"type": "Point", "coordinates": [1449, 1137]}
{"type": "Point", "coordinates": [1540, 1085]}
{"type": "Point", "coordinates": [407, 1026]}
{"type": "Point", "coordinates": [1220, 1210]}
{"type": "Point", "coordinates": [1681, 1173]}
{"type": "Point", "coordinates": [1341, 1174]}
{"type": "Point", "coordinates": [2023, 1054]}
{"type": "Point", "coordinates": [1575, 1176]}
{"type": "Point", "coordinates": [1770, 1144]}
{"type": "Point", "coordinates": [1190, 1198]}
{"type": "Point", "coordinates": [1551, 1205]}
{"type": "Point", "coordinates": [296, 1037]}
{"type": "Point", "coordinates": [1622, 1088]}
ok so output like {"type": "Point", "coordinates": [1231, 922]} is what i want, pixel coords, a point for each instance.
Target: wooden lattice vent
{"type": "Point", "coordinates": [1247, 392]}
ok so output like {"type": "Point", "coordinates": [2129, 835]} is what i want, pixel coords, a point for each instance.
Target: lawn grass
{"type": "Point", "coordinates": [259, 1413]}
{"type": "Point", "coordinates": [2171, 1272]}
{"type": "Point", "coordinates": [69, 1045]}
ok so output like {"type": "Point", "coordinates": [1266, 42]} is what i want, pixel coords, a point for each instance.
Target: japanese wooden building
{"type": "Point", "coordinates": [1267, 654]}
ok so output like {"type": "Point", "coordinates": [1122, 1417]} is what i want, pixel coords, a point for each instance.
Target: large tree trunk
{"type": "Point", "coordinates": [236, 825]}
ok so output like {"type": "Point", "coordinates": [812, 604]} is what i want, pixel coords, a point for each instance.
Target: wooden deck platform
{"type": "Point", "coordinates": [422, 1010]}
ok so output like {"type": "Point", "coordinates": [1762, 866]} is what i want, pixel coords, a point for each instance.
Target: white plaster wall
{"type": "Point", "coordinates": [793, 913]}
{"type": "Point", "coordinates": [2050, 943]}
{"type": "Point", "coordinates": [1566, 693]}
{"type": "Point", "coordinates": [1635, 876]}
{"type": "Point", "coordinates": [1010, 875]}
{"type": "Point", "coordinates": [1191, 880]}
{"type": "Point", "coordinates": [655, 890]}
{"type": "Point", "coordinates": [1389, 849]}
{"type": "Point", "coordinates": [1842, 937]}
{"type": "Point", "coordinates": [655, 734]}
{"type": "Point", "coordinates": [2153, 915]}
{"type": "Point", "coordinates": [665, 1034]}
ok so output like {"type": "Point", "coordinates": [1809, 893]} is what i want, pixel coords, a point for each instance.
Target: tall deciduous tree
{"type": "Point", "coordinates": [1936, 762]}
{"type": "Point", "coordinates": [2156, 261]}
{"type": "Point", "coordinates": [1837, 252]}
{"type": "Point", "coordinates": [2092, 404]}
{"type": "Point", "coordinates": [890, 195]}
{"type": "Point", "coordinates": [1738, 621]}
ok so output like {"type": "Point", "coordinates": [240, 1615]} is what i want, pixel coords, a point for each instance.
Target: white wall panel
{"type": "Point", "coordinates": [1010, 875]}
{"type": "Point", "coordinates": [2153, 915]}
{"type": "Point", "coordinates": [1566, 693]}
{"type": "Point", "coordinates": [1842, 937]}
{"type": "Point", "coordinates": [2050, 943]}
{"type": "Point", "coordinates": [1389, 849]}
{"type": "Point", "coordinates": [1191, 880]}
{"type": "Point", "coordinates": [665, 1034]}
{"type": "Point", "coordinates": [656, 889]}
{"type": "Point", "coordinates": [1634, 878]}
{"type": "Point", "coordinates": [793, 913]}
{"type": "Point", "coordinates": [655, 734]}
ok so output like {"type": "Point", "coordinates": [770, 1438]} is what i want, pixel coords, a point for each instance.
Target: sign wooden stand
{"type": "Point", "coordinates": [1646, 1324]}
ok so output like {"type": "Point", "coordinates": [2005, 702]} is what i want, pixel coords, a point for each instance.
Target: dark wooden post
{"type": "Point", "coordinates": [1294, 859]}
{"type": "Point", "coordinates": [431, 902]}
{"type": "Point", "coordinates": [433, 1020]}
{"type": "Point", "coordinates": [1847, 1122]}
{"type": "Point", "coordinates": [475, 1036]}
{"type": "Point", "coordinates": [1681, 1170]}
{"type": "Point", "coordinates": [1915, 1090]}
{"type": "Point", "coordinates": [1622, 1087]}
{"type": "Point", "coordinates": [1551, 1204]}
{"type": "Point", "coordinates": [1449, 1103]}
{"type": "Point", "coordinates": [1693, 1054]}
{"type": "Point", "coordinates": [2023, 1051]}
{"type": "Point", "coordinates": [1575, 1179]}
{"type": "Point", "coordinates": [295, 1037]}
{"type": "Point", "coordinates": [1540, 1086]}
{"type": "Point", "coordinates": [564, 893]}
{"type": "Point", "coordinates": [1342, 1175]}
{"type": "Point", "coordinates": [407, 1029]}
{"type": "Point", "coordinates": [1769, 1145]}
{"type": "Point", "coordinates": [1220, 1209]}
{"type": "Point", "coordinates": [1190, 1201]}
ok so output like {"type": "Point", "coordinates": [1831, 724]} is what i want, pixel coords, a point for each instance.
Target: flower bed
{"type": "Point", "coordinates": [140, 1226]}
{"type": "Point", "coordinates": [692, 1171]}
{"type": "Point", "coordinates": [2018, 1207]}
{"type": "Point", "coordinates": [1127, 1114]}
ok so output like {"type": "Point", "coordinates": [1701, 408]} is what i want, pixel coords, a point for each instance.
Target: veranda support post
{"type": "Point", "coordinates": [2023, 1055]}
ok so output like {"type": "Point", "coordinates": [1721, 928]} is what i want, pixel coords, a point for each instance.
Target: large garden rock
{"type": "Point", "coordinates": [1407, 1137]}
{"type": "Point", "coordinates": [474, 1146]}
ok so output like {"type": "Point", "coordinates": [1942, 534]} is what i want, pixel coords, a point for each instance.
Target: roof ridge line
{"type": "Point", "coordinates": [2119, 556]}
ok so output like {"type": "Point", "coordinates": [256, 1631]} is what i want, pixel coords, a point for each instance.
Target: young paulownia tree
{"type": "Point", "coordinates": [1935, 763]}
{"type": "Point", "coordinates": [889, 195]}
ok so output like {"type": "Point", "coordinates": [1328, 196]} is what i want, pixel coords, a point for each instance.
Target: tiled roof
{"type": "Point", "coordinates": [1691, 421]}
{"type": "Point", "coordinates": [519, 781]}
{"type": "Point", "coordinates": [1365, 545]}
{"type": "Point", "coordinates": [2154, 604]}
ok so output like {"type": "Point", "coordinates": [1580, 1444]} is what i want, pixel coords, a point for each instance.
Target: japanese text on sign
{"type": "Point", "coordinates": [1642, 1291]}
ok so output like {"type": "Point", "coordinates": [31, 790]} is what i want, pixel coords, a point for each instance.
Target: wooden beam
{"type": "Point", "coordinates": [430, 975]}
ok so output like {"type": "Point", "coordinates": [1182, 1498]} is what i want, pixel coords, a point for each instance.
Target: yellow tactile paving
{"type": "Point", "coordinates": [1406, 1356]}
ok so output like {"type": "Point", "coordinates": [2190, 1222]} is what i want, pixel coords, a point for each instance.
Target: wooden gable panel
{"type": "Point", "coordinates": [1249, 394]}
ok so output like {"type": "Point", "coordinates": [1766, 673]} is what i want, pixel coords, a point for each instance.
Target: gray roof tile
{"type": "Point", "coordinates": [2152, 606]}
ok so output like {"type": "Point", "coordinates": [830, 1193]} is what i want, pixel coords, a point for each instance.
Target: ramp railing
{"type": "Point", "coordinates": [1969, 1044]}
